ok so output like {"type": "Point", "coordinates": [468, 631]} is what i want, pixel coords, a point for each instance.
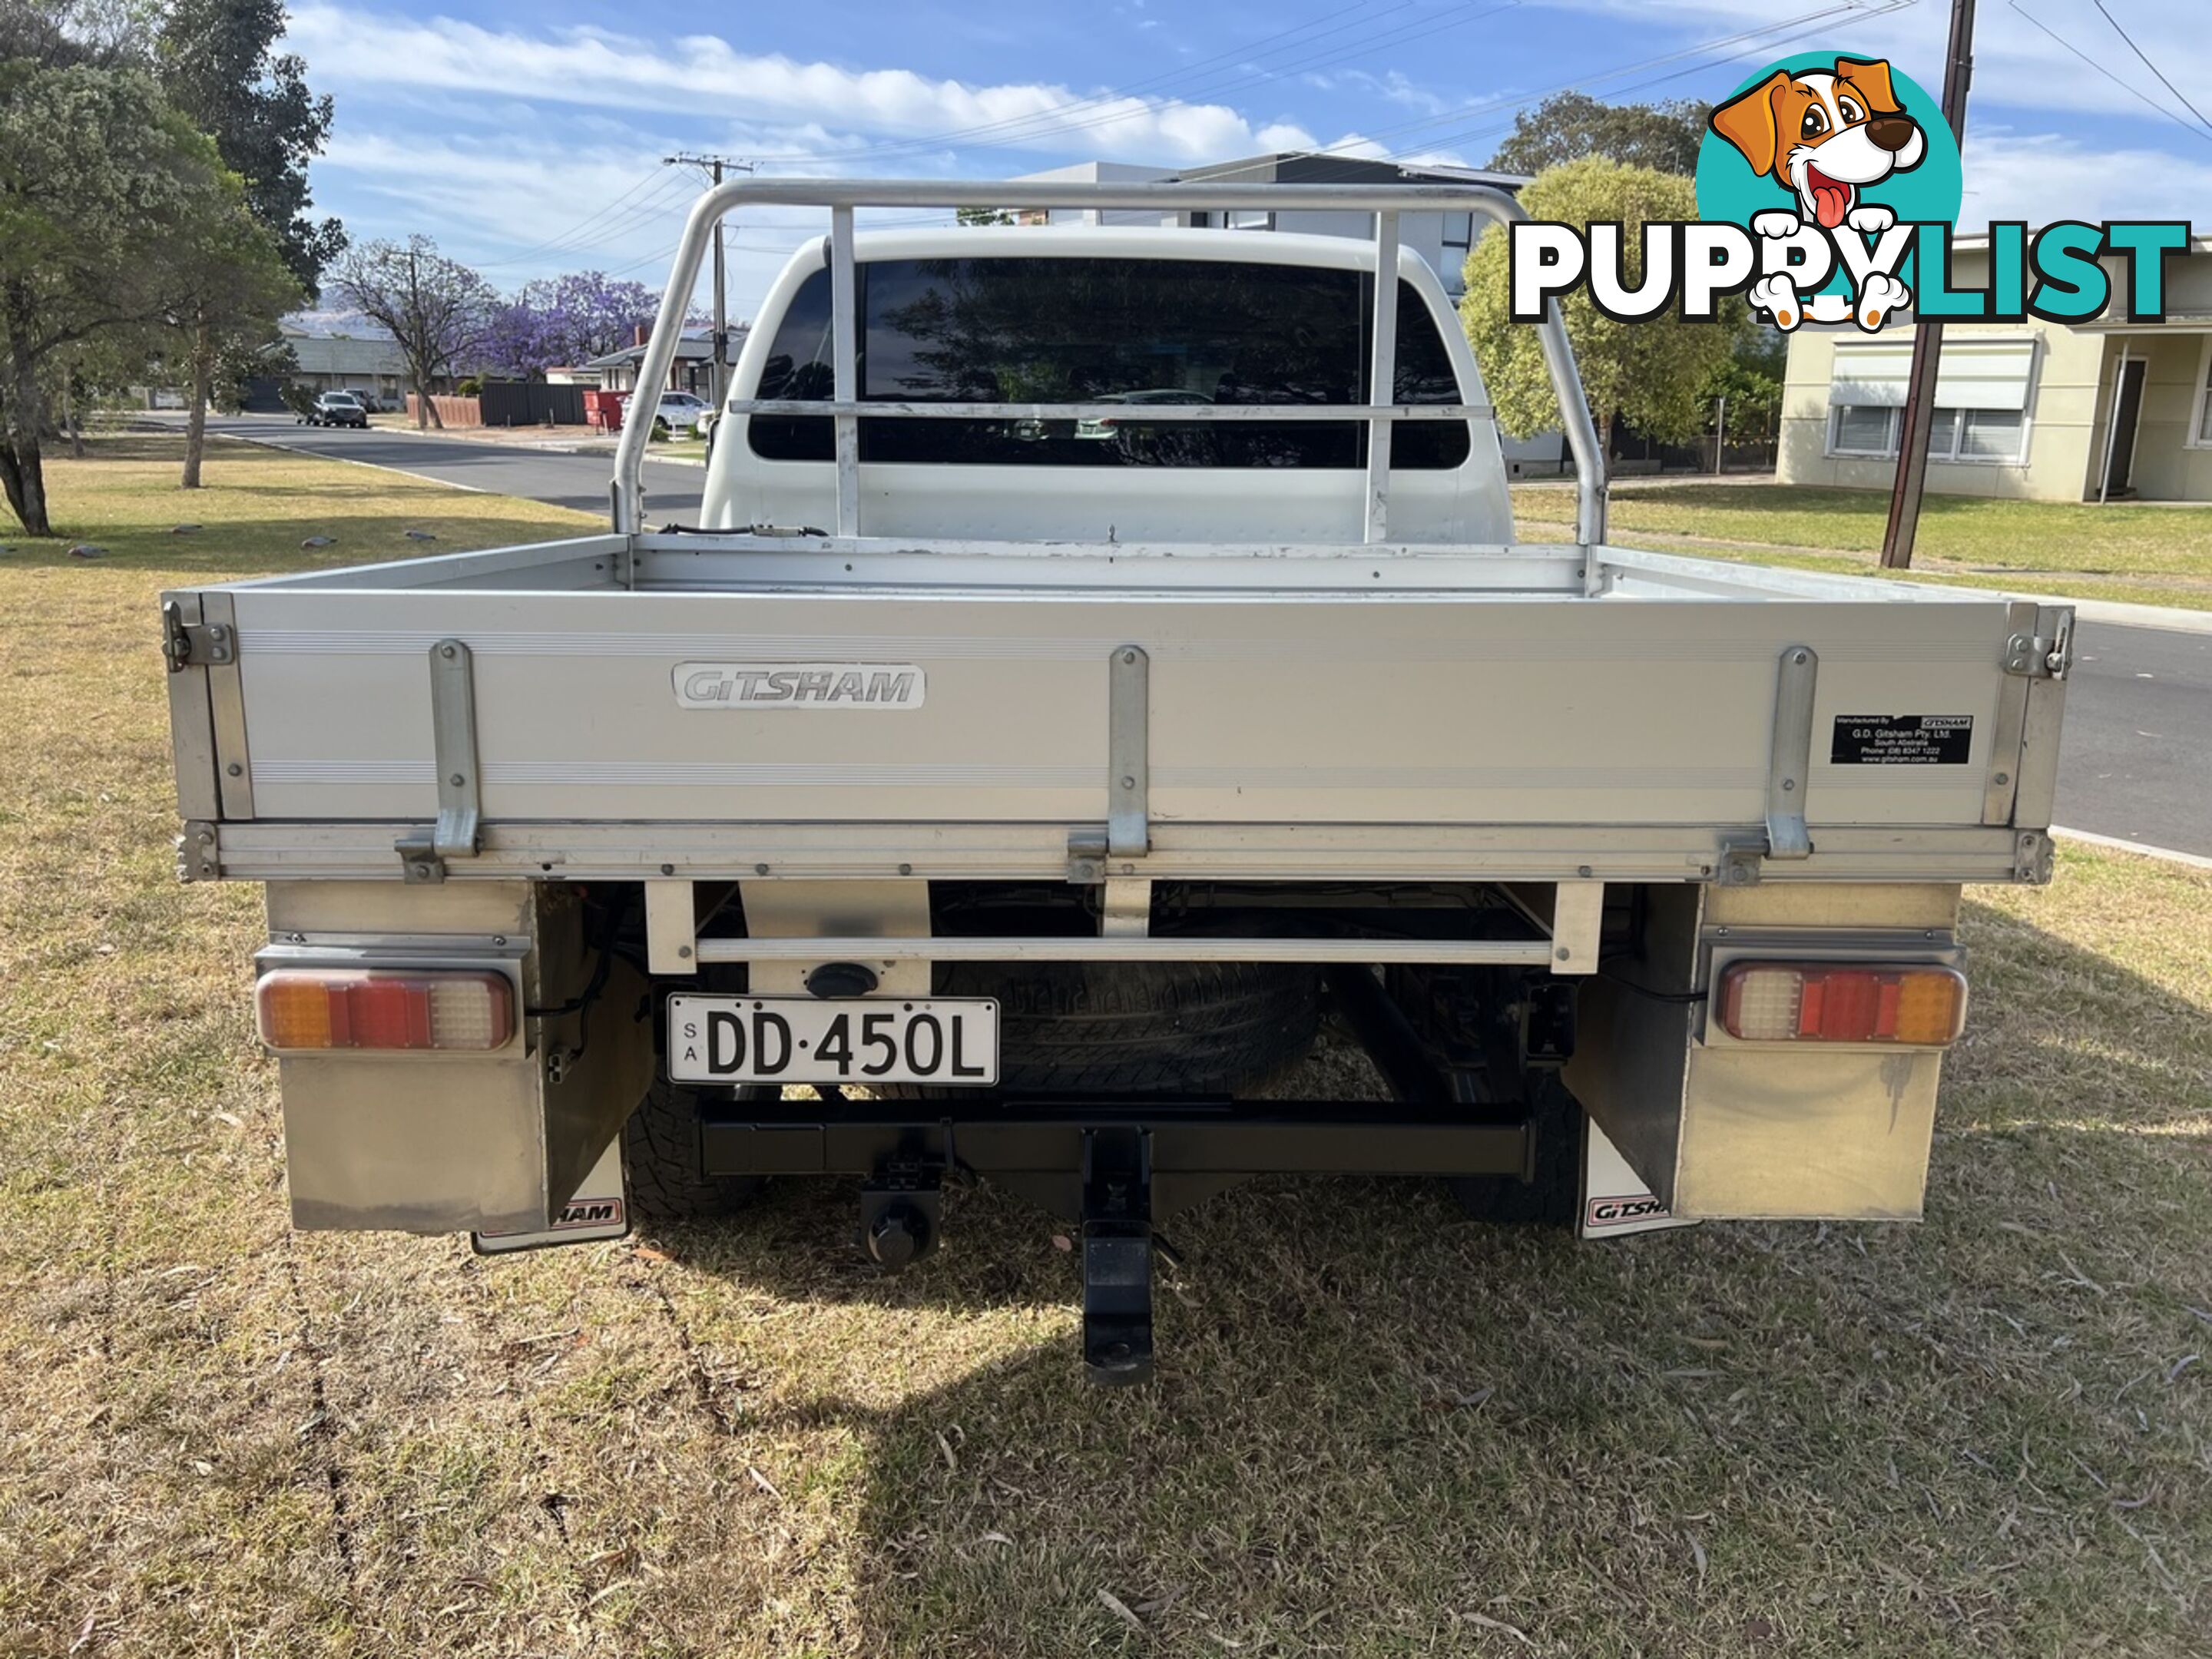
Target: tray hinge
{"type": "Point", "coordinates": [424, 852]}
{"type": "Point", "coordinates": [1788, 764]}
{"type": "Point", "coordinates": [188, 645]}
{"type": "Point", "coordinates": [1128, 721]}
{"type": "Point", "coordinates": [1128, 833]}
{"type": "Point", "coordinates": [2042, 656]}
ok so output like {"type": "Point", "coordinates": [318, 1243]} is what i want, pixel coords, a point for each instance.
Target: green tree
{"type": "Point", "coordinates": [1750, 378]}
{"type": "Point", "coordinates": [1570, 126]}
{"type": "Point", "coordinates": [228, 287]}
{"type": "Point", "coordinates": [1649, 372]}
{"type": "Point", "coordinates": [105, 194]}
{"type": "Point", "coordinates": [220, 66]}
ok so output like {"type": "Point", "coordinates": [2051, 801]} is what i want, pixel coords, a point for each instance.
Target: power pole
{"type": "Point", "coordinates": [1905, 488]}
{"type": "Point", "coordinates": [719, 367]}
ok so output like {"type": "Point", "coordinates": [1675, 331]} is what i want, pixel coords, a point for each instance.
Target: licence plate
{"type": "Point", "coordinates": [953, 1042]}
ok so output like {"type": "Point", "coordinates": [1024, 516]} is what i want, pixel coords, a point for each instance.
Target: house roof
{"type": "Point", "coordinates": [694, 345]}
{"type": "Point", "coordinates": [1313, 167]}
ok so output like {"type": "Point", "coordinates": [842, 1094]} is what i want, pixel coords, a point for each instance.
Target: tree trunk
{"type": "Point", "coordinates": [423, 410]}
{"type": "Point", "coordinates": [196, 422]}
{"type": "Point", "coordinates": [70, 424]}
{"type": "Point", "coordinates": [22, 475]}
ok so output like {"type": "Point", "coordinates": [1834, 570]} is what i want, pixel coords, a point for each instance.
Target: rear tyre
{"type": "Point", "coordinates": [660, 1146]}
{"type": "Point", "coordinates": [1143, 1027]}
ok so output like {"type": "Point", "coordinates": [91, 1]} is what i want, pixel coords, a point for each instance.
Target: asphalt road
{"type": "Point", "coordinates": [671, 491]}
{"type": "Point", "coordinates": [2138, 757]}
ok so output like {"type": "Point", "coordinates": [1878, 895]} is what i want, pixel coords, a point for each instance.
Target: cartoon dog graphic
{"type": "Point", "coordinates": [1825, 137]}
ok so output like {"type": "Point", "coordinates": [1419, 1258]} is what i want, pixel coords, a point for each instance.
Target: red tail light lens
{"type": "Point", "coordinates": [1922, 1007]}
{"type": "Point", "coordinates": [305, 1010]}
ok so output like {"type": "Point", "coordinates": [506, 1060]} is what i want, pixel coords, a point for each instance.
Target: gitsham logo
{"type": "Point", "coordinates": [753, 685]}
{"type": "Point", "coordinates": [1828, 189]}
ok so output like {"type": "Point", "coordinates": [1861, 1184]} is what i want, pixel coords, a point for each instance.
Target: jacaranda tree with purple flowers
{"type": "Point", "coordinates": [567, 320]}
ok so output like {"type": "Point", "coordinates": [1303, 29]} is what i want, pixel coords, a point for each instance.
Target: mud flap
{"type": "Point", "coordinates": [1614, 1199]}
{"type": "Point", "coordinates": [599, 1210]}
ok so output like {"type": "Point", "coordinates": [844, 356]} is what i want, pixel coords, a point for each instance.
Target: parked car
{"type": "Point", "coordinates": [1637, 876]}
{"type": "Point", "coordinates": [682, 411]}
{"type": "Point", "coordinates": [336, 409]}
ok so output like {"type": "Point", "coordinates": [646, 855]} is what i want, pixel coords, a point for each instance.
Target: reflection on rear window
{"type": "Point", "coordinates": [1133, 332]}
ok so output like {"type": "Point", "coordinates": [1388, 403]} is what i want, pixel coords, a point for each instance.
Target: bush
{"type": "Point", "coordinates": [468, 385]}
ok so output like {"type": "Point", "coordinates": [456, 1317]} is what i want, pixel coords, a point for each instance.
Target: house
{"type": "Point", "coordinates": [2095, 410]}
{"type": "Point", "coordinates": [1442, 238]}
{"type": "Point", "coordinates": [343, 352]}
{"type": "Point", "coordinates": [690, 370]}
{"type": "Point", "coordinates": [1094, 173]}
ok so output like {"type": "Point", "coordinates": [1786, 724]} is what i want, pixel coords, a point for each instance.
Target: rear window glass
{"type": "Point", "coordinates": [1126, 332]}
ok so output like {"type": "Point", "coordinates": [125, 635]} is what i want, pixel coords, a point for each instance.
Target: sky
{"type": "Point", "coordinates": [527, 138]}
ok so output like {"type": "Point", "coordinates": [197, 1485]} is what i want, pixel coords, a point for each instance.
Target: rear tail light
{"type": "Point", "coordinates": [1788, 1002]}
{"type": "Point", "coordinates": [307, 1009]}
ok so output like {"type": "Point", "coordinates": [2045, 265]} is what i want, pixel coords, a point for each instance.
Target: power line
{"type": "Point", "coordinates": [647, 177]}
{"type": "Point", "coordinates": [1743, 37]}
{"type": "Point", "coordinates": [2128, 87]}
{"type": "Point", "coordinates": [2149, 65]}
{"type": "Point", "coordinates": [1814, 27]}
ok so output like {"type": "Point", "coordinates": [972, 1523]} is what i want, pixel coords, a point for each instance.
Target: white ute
{"type": "Point", "coordinates": [1103, 657]}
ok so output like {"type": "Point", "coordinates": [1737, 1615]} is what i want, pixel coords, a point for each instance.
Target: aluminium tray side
{"type": "Point", "coordinates": [1265, 707]}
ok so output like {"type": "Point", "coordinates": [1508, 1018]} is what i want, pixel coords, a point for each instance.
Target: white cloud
{"type": "Point", "coordinates": [2039, 177]}
{"type": "Point", "coordinates": [595, 68]}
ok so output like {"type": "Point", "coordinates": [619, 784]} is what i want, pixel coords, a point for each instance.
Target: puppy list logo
{"type": "Point", "coordinates": [1827, 188]}
{"type": "Point", "coordinates": [1830, 136]}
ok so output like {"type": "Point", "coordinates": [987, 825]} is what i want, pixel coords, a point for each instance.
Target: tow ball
{"type": "Point", "coordinates": [901, 1213]}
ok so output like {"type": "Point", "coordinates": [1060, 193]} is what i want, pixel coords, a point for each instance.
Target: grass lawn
{"type": "Point", "coordinates": [2146, 555]}
{"type": "Point", "coordinates": [1380, 1430]}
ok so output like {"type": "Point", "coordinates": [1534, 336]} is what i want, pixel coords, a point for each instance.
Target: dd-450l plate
{"type": "Point", "coordinates": [953, 1042]}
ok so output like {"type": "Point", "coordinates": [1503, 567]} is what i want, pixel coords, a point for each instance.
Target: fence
{"type": "Point", "coordinates": [530, 403]}
{"type": "Point", "coordinates": [452, 411]}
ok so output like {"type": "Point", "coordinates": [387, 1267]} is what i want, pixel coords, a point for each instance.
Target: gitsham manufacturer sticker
{"type": "Point", "coordinates": [1619, 1212]}
{"type": "Point", "coordinates": [1902, 740]}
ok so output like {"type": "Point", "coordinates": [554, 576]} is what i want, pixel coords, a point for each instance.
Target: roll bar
{"type": "Point", "coordinates": [841, 196]}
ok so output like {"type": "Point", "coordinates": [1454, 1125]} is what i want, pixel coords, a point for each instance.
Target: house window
{"type": "Point", "coordinates": [1989, 435]}
{"type": "Point", "coordinates": [1863, 429]}
{"type": "Point", "coordinates": [1248, 219]}
{"type": "Point", "coordinates": [1459, 234]}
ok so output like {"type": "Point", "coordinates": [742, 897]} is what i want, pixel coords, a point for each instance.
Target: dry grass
{"type": "Point", "coordinates": [2144, 554]}
{"type": "Point", "coordinates": [1380, 1430]}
